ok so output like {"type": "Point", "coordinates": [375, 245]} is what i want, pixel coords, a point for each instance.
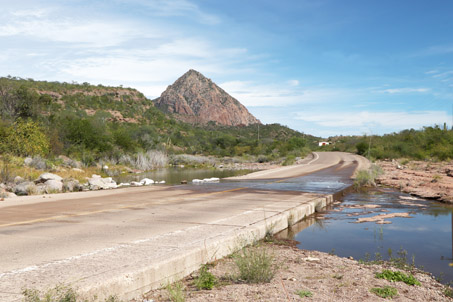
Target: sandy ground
{"type": "Point", "coordinates": [326, 277]}
{"type": "Point", "coordinates": [424, 179]}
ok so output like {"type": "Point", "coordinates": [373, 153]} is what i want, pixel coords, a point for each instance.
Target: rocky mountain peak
{"type": "Point", "coordinates": [196, 99]}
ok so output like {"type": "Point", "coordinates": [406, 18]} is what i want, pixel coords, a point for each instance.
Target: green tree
{"type": "Point", "coordinates": [27, 138]}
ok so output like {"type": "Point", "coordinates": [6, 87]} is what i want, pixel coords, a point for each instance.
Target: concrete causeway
{"type": "Point", "coordinates": [128, 241]}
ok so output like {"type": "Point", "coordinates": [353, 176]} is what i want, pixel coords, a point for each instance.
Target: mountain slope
{"type": "Point", "coordinates": [195, 99]}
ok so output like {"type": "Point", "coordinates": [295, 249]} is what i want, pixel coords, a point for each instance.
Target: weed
{"type": "Point", "coordinates": [60, 293]}
{"type": "Point", "coordinates": [255, 265]}
{"type": "Point", "coordinates": [448, 291]}
{"type": "Point", "coordinates": [304, 293]}
{"type": "Point", "coordinates": [338, 277]}
{"type": "Point", "coordinates": [385, 292]}
{"type": "Point", "coordinates": [205, 279]}
{"type": "Point", "coordinates": [397, 277]}
{"type": "Point", "coordinates": [436, 178]}
{"type": "Point", "coordinates": [332, 252]}
{"type": "Point", "coordinates": [366, 178]}
{"type": "Point", "coordinates": [175, 292]}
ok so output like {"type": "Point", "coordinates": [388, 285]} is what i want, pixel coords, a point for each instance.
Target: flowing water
{"type": "Point", "coordinates": [426, 236]}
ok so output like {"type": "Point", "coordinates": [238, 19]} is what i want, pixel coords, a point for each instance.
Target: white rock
{"type": "Point", "coordinates": [124, 184]}
{"type": "Point", "coordinates": [105, 167]}
{"type": "Point", "coordinates": [48, 176]}
{"type": "Point", "coordinates": [96, 176]}
{"type": "Point", "coordinates": [146, 181]}
{"type": "Point", "coordinates": [53, 186]}
{"type": "Point", "coordinates": [77, 170]}
{"type": "Point", "coordinates": [162, 181]}
{"type": "Point", "coordinates": [136, 184]}
{"type": "Point", "coordinates": [312, 259]}
{"type": "Point", "coordinates": [197, 181]}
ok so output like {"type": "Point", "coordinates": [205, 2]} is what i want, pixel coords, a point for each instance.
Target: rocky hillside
{"type": "Point", "coordinates": [195, 99]}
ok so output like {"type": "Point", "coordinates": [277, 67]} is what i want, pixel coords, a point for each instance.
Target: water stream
{"type": "Point", "coordinates": [426, 236]}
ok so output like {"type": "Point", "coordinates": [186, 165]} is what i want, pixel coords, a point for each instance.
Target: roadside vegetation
{"type": "Point", "coordinates": [120, 125]}
{"type": "Point", "coordinates": [428, 143]}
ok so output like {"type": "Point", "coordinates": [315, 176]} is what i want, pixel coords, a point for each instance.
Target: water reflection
{"type": "Point", "coordinates": [427, 236]}
{"type": "Point", "coordinates": [175, 175]}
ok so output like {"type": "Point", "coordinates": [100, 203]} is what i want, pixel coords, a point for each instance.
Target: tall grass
{"type": "Point", "coordinates": [145, 161]}
{"type": "Point", "coordinates": [255, 265]}
{"type": "Point", "coordinates": [367, 178]}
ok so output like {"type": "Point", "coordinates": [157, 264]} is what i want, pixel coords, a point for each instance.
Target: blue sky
{"type": "Point", "coordinates": [323, 67]}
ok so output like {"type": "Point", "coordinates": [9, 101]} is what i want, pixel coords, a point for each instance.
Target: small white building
{"type": "Point", "coordinates": [320, 144]}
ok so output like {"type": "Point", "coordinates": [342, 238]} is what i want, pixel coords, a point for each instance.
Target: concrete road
{"type": "Point", "coordinates": [125, 241]}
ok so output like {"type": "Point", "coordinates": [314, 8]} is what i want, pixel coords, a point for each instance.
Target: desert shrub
{"type": "Point", "coordinates": [255, 265]}
{"type": "Point", "coordinates": [205, 279]}
{"type": "Point", "coordinates": [175, 292]}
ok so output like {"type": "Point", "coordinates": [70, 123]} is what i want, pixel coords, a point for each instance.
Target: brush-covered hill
{"type": "Point", "coordinates": [195, 99]}
{"type": "Point", "coordinates": [91, 122]}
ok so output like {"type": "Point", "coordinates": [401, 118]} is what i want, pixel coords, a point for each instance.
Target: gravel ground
{"type": "Point", "coordinates": [326, 277]}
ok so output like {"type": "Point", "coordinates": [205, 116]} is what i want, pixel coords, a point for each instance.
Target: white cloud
{"type": "Point", "coordinates": [293, 82]}
{"type": "Point", "coordinates": [405, 90]}
{"type": "Point", "coordinates": [369, 120]}
{"type": "Point", "coordinates": [275, 95]}
{"type": "Point", "coordinates": [168, 8]}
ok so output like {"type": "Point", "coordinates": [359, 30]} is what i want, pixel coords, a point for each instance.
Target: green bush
{"type": "Point", "coordinates": [205, 279]}
{"type": "Point", "coordinates": [255, 265]}
{"type": "Point", "coordinates": [385, 292]}
{"type": "Point", "coordinates": [397, 277]}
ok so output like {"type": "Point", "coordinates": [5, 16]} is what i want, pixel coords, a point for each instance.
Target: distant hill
{"type": "Point", "coordinates": [195, 99]}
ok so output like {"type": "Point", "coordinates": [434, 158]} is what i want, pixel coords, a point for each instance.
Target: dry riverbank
{"type": "Point", "coordinates": [315, 275]}
{"type": "Point", "coordinates": [424, 179]}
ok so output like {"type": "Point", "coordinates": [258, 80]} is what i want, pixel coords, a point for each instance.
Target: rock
{"type": "Point", "coordinates": [77, 170]}
{"type": "Point", "coordinates": [53, 186]}
{"type": "Point", "coordinates": [41, 189]}
{"type": "Point", "coordinates": [162, 181]}
{"type": "Point", "coordinates": [125, 184]}
{"type": "Point", "coordinates": [196, 99]}
{"type": "Point", "coordinates": [71, 185]}
{"type": "Point", "coordinates": [96, 176]}
{"type": "Point", "coordinates": [25, 188]}
{"type": "Point", "coordinates": [48, 176]}
{"type": "Point", "coordinates": [7, 195]}
{"type": "Point", "coordinates": [197, 181]}
{"type": "Point", "coordinates": [184, 182]}
{"type": "Point", "coordinates": [312, 259]}
{"type": "Point", "coordinates": [28, 161]}
{"type": "Point", "coordinates": [146, 181]}
{"type": "Point", "coordinates": [98, 183]}
{"type": "Point", "coordinates": [105, 167]}
{"type": "Point", "coordinates": [212, 179]}
{"type": "Point", "coordinates": [449, 172]}
{"type": "Point", "coordinates": [136, 184]}
{"type": "Point", "coordinates": [18, 180]}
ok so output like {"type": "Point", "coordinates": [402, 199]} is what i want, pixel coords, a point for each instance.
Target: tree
{"type": "Point", "coordinates": [26, 138]}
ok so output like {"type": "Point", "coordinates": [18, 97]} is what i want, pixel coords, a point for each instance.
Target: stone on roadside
{"type": "Point", "coordinates": [48, 176]}
{"type": "Point", "coordinates": [147, 181]}
{"type": "Point", "coordinates": [25, 188]}
{"type": "Point", "coordinates": [71, 185]}
{"type": "Point", "coordinates": [18, 180]}
{"type": "Point", "coordinates": [99, 183]}
{"type": "Point", "coordinates": [136, 184]}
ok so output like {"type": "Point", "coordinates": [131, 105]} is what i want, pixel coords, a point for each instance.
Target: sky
{"type": "Point", "coordinates": [322, 67]}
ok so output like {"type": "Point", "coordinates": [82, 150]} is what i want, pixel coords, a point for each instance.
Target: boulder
{"type": "Point", "coordinates": [18, 180]}
{"type": "Point", "coordinates": [40, 189]}
{"type": "Point", "coordinates": [98, 183]}
{"type": "Point", "coordinates": [146, 181]}
{"type": "Point", "coordinates": [136, 184]}
{"type": "Point", "coordinates": [48, 176]}
{"type": "Point", "coordinates": [25, 188]}
{"type": "Point", "coordinates": [71, 185]}
{"type": "Point", "coordinates": [53, 186]}
{"type": "Point", "coordinates": [28, 161]}
{"type": "Point", "coordinates": [7, 195]}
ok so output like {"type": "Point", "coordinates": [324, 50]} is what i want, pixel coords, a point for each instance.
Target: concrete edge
{"type": "Point", "coordinates": [135, 284]}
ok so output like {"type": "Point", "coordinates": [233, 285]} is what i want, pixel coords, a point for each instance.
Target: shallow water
{"type": "Point", "coordinates": [427, 236]}
{"type": "Point", "coordinates": [175, 175]}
